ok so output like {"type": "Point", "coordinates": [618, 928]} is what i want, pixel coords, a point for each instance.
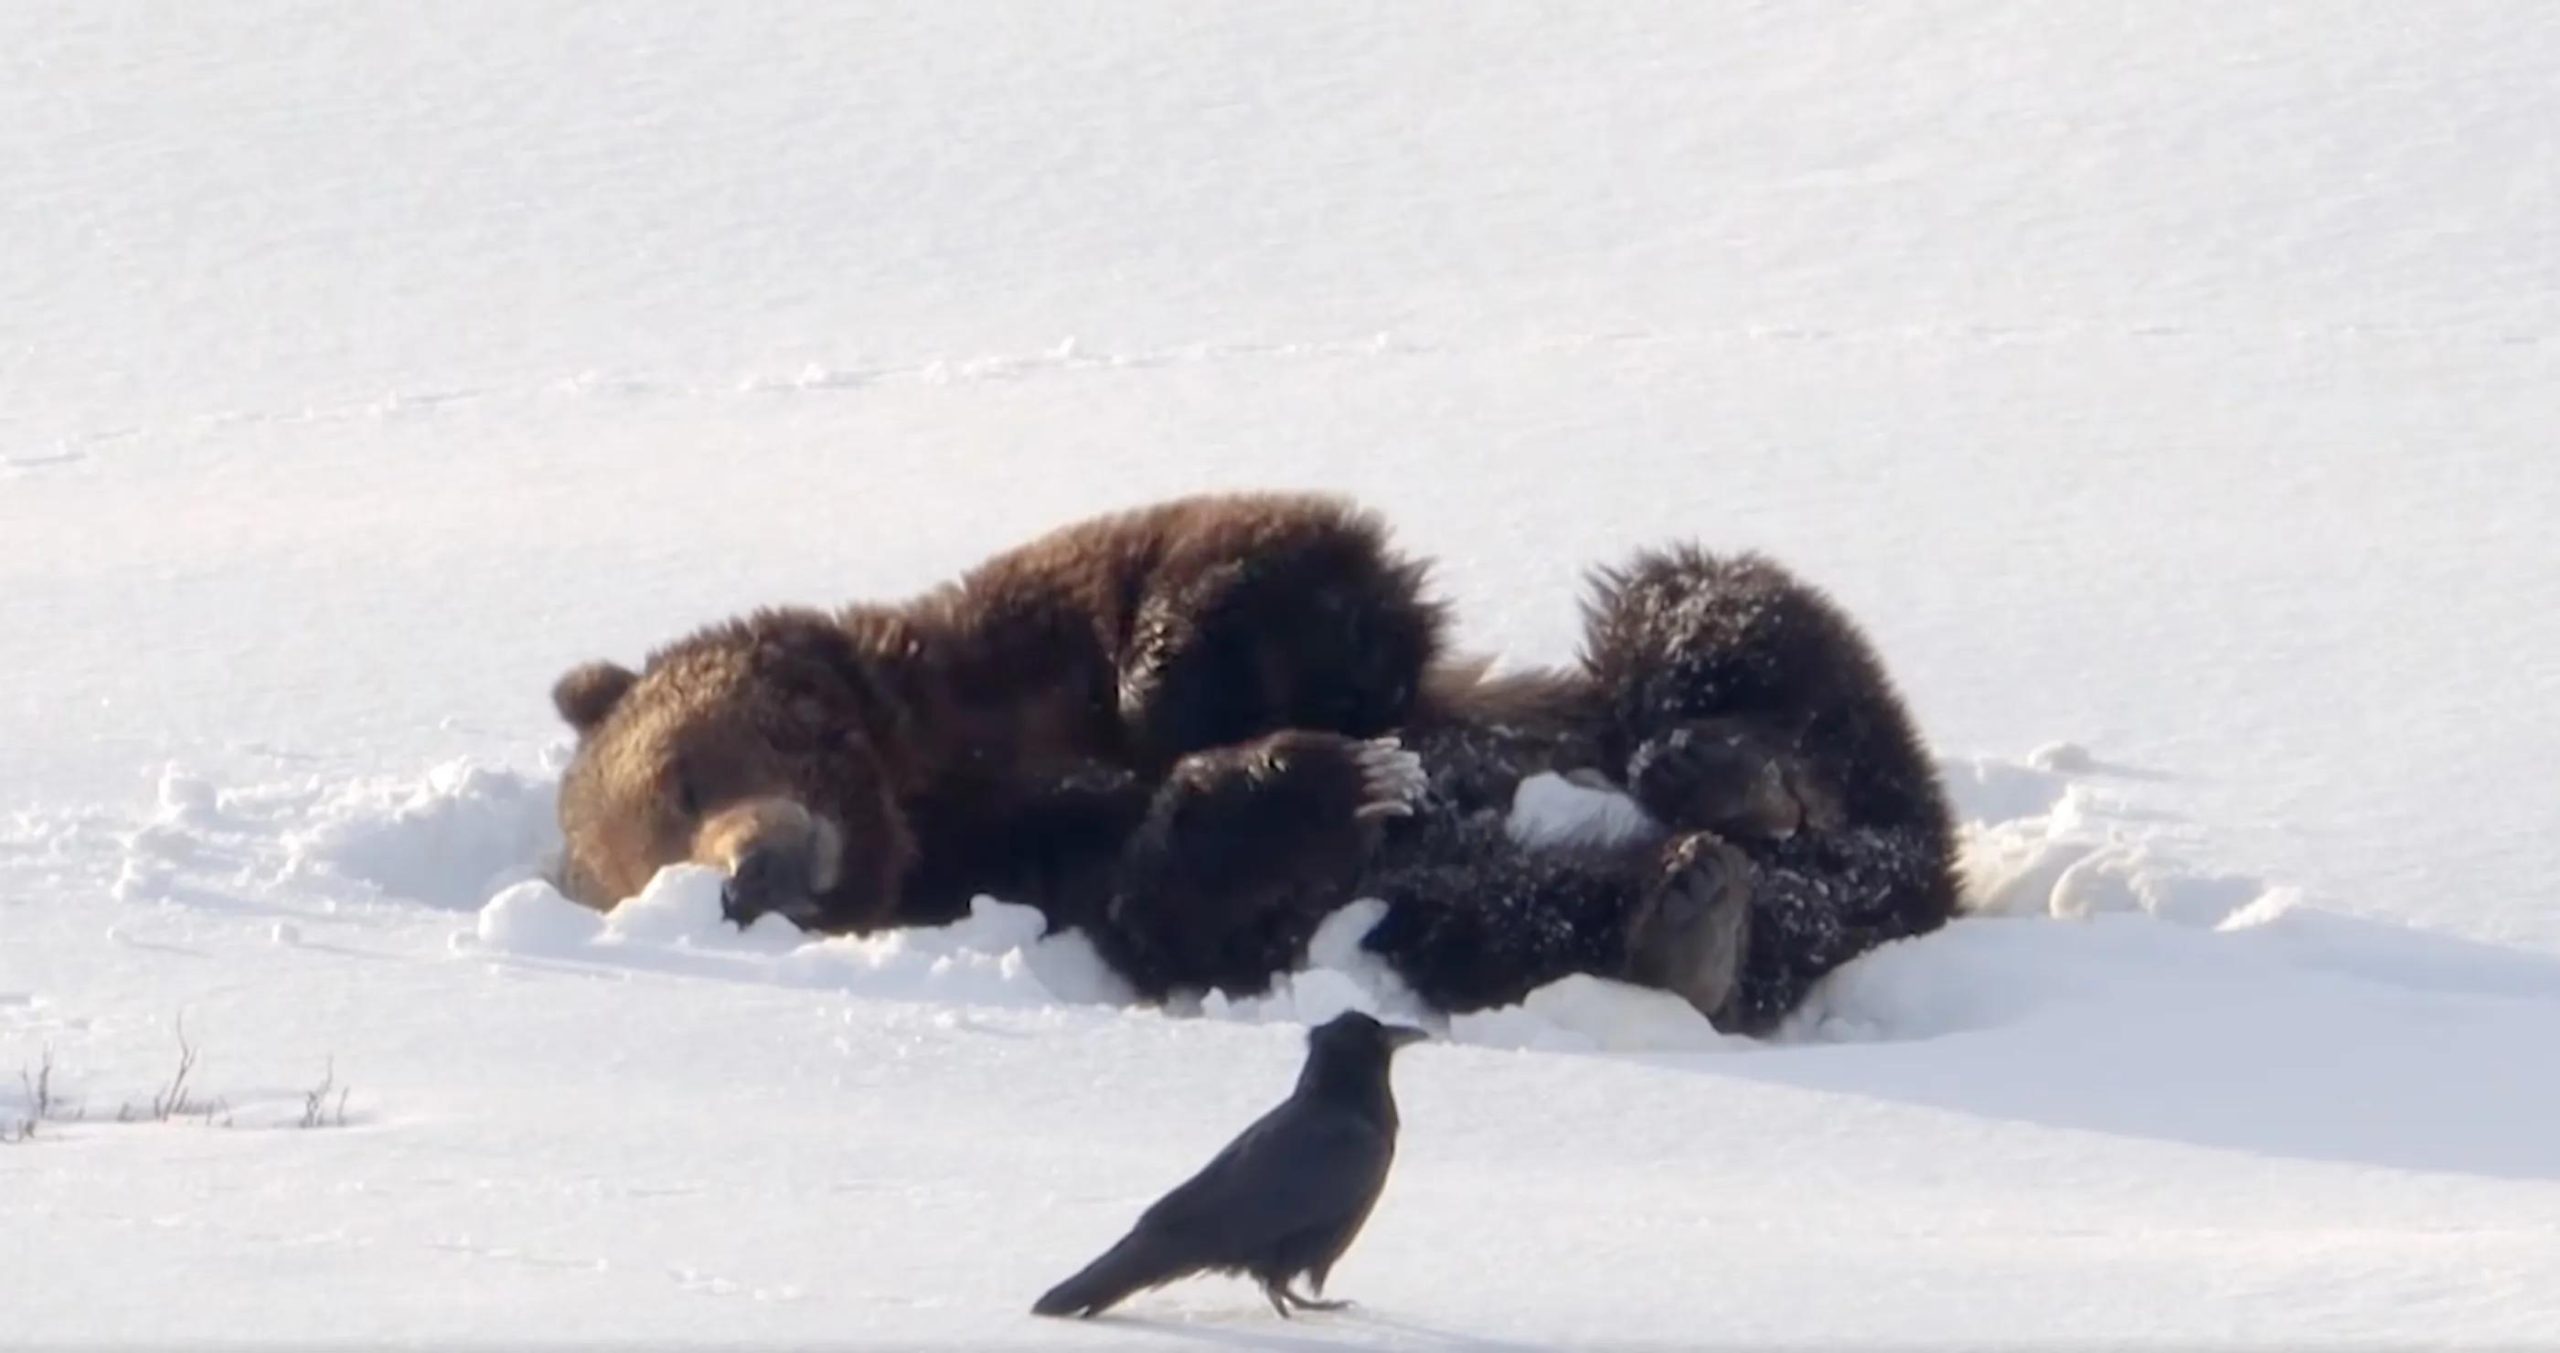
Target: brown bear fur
{"type": "Point", "coordinates": [881, 764]}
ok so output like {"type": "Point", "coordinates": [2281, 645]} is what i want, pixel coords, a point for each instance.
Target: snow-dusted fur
{"type": "Point", "coordinates": [1841, 829]}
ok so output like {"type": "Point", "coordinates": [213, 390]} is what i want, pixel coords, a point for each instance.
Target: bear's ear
{"type": "Point", "coordinates": [589, 691]}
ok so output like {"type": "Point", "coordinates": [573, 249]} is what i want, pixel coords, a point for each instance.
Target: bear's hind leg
{"type": "Point", "coordinates": [1475, 919]}
{"type": "Point", "coordinates": [1691, 930]}
{"type": "Point", "coordinates": [1819, 903]}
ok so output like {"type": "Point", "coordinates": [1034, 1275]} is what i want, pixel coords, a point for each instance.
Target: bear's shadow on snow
{"type": "Point", "coordinates": [2203, 1010]}
{"type": "Point", "coordinates": [2311, 1036]}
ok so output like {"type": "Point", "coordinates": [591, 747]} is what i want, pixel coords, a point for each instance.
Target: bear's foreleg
{"type": "Point", "coordinates": [1731, 777]}
{"type": "Point", "coordinates": [1054, 842]}
{"type": "Point", "coordinates": [1308, 623]}
{"type": "Point", "coordinates": [1244, 849]}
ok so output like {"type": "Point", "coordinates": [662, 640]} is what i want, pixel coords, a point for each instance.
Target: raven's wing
{"type": "Point", "coordinates": [1305, 1164]}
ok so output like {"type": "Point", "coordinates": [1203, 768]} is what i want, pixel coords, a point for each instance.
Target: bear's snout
{"type": "Point", "coordinates": [779, 856]}
{"type": "Point", "coordinates": [768, 879]}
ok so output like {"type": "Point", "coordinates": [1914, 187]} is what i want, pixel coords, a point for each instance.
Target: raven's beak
{"type": "Point", "coordinates": [1403, 1035]}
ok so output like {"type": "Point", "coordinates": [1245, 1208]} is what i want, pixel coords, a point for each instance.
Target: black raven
{"type": "Point", "coordinates": [1285, 1198]}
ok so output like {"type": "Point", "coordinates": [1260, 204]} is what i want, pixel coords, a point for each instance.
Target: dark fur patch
{"type": "Point", "coordinates": [1678, 639]}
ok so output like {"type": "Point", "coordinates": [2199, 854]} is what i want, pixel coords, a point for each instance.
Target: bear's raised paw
{"type": "Point", "coordinates": [1392, 780]}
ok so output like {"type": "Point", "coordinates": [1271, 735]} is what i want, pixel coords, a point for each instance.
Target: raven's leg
{"type": "Point", "coordinates": [1274, 1293]}
{"type": "Point", "coordinates": [1243, 850]}
{"type": "Point", "coordinates": [1314, 1303]}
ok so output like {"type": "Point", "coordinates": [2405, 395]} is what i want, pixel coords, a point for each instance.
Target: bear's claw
{"type": "Point", "coordinates": [1391, 779]}
{"type": "Point", "coordinates": [1694, 924]}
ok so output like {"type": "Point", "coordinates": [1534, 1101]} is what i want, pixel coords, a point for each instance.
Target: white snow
{"type": "Point", "coordinates": [2169, 390]}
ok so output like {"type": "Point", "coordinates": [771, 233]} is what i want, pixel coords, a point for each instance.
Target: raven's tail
{"type": "Point", "coordinates": [1138, 1262]}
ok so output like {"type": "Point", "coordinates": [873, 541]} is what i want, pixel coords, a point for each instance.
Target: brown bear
{"type": "Point", "coordinates": [1167, 727]}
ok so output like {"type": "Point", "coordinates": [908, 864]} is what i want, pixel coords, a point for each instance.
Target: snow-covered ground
{"type": "Point", "coordinates": [2170, 390]}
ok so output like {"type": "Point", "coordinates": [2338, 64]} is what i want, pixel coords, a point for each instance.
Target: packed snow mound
{"type": "Point", "coordinates": [1553, 808]}
{"type": "Point", "coordinates": [996, 956]}
{"type": "Point", "coordinates": [2065, 835]}
{"type": "Point", "coordinates": [534, 920]}
{"type": "Point", "coordinates": [448, 840]}
{"type": "Point", "coordinates": [681, 907]}
{"type": "Point", "coordinates": [1591, 1014]}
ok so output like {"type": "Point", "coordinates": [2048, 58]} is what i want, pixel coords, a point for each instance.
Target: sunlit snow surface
{"type": "Point", "coordinates": [2169, 392]}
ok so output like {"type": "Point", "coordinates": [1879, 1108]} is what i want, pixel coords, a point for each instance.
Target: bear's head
{"type": "Point", "coordinates": [765, 748]}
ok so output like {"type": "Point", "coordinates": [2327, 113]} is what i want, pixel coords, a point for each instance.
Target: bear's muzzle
{"type": "Point", "coordinates": [780, 858]}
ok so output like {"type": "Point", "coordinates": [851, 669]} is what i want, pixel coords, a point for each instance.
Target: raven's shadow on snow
{"type": "Point", "coordinates": [1352, 1328]}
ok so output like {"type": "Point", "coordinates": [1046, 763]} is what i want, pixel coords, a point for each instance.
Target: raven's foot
{"type": "Point", "coordinates": [1693, 924]}
{"type": "Point", "coordinates": [1283, 1300]}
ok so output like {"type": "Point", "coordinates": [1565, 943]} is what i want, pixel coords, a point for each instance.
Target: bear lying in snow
{"type": "Point", "coordinates": [1169, 727]}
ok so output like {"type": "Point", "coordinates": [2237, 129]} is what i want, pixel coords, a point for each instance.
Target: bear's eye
{"type": "Point", "coordinates": [688, 798]}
